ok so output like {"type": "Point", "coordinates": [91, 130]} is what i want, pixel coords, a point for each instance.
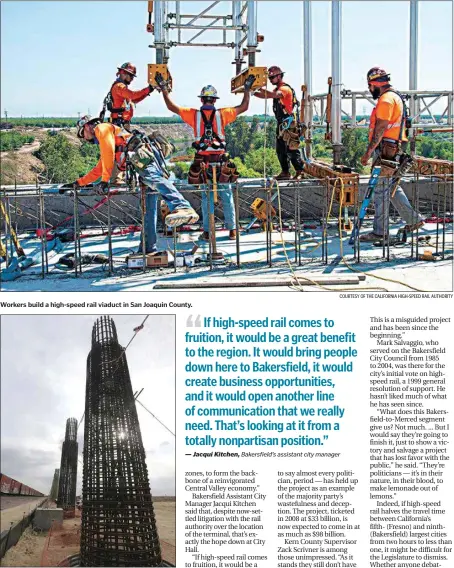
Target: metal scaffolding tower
{"type": "Point", "coordinates": [118, 521]}
{"type": "Point", "coordinates": [242, 20]}
{"type": "Point", "coordinates": [54, 489]}
{"type": "Point", "coordinates": [68, 467]}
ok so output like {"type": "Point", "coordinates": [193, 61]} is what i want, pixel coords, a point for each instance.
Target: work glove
{"type": "Point", "coordinates": [101, 188]}
{"type": "Point", "coordinates": [249, 82]}
{"type": "Point", "coordinates": [68, 187]}
{"type": "Point", "coordinates": [162, 84]}
{"type": "Point", "coordinates": [150, 88]}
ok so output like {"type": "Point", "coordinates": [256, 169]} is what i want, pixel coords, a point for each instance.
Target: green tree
{"type": "Point", "coordinates": [256, 160]}
{"type": "Point", "coordinates": [14, 140]}
{"type": "Point", "coordinates": [244, 171]}
{"type": "Point", "coordinates": [262, 136]}
{"type": "Point", "coordinates": [90, 155]}
{"type": "Point", "coordinates": [62, 160]}
{"type": "Point", "coordinates": [354, 141]}
{"type": "Point", "coordinates": [238, 138]}
{"type": "Point", "coordinates": [431, 146]}
{"type": "Point", "coordinates": [321, 148]}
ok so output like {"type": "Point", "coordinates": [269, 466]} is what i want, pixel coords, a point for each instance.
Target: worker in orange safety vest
{"type": "Point", "coordinates": [120, 99]}
{"type": "Point", "coordinates": [209, 124]}
{"type": "Point", "coordinates": [387, 141]}
{"type": "Point", "coordinates": [288, 130]}
{"type": "Point", "coordinates": [147, 157]}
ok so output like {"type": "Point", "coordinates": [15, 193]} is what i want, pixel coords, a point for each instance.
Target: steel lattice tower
{"type": "Point", "coordinates": [68, 467]}
{"type": "Point", "coordinates": [54, 489]}
{"type": "Point", "coordinates": [118, 521]}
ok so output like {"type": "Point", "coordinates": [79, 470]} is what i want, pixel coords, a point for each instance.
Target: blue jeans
{"type": "Point", "coordinates": [150, 222]}
{"type": "Point", "coordinates": [229, 207]}
{"type": "Point", "coordinates": [154, 179]}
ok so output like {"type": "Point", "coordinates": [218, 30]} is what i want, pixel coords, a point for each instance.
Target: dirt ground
{"type": "Point", "coordinates": [29, 550]}
{"type": "Point", "coordinates": [165, 519]}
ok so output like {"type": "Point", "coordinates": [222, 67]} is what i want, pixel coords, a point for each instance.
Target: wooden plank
{"type": "Point", "coordinates": [264, 282]}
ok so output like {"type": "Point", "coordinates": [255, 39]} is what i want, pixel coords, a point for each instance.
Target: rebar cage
{"type": "Point", "coordinates": [118, 521]}
{"type": "Point", "coordinates": [54, 488]}
{"type": "Point", "coordinates": [68, 467]}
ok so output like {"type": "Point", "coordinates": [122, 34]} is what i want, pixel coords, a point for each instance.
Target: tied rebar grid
{"type": "Point", "coordinates": [68, 467]}
{"type": "Point", "coordinates": [54, 489]}
{"type": "Point", "coordinates": [118, 521]}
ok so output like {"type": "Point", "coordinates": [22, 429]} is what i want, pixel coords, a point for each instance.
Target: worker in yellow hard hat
{"type": "Point", "coordinates": [209, 124]}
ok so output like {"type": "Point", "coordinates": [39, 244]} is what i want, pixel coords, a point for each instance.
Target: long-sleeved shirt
{"type": "Point", "coordinates": [123, 98]}
{"type": "Point", "coordinates": [112, 146]}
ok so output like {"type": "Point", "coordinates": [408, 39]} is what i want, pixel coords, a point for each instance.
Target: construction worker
{"type": "Point", "coordinates": [288, 131]}
{"type": "Point", "coordinates": [120, 99]}
{"type": "Point", "coordinates": [146, 155]}
{"type": "Point", "coordinates": [209, 125]}
{"type": "Point", "coordinates": [387, 141]}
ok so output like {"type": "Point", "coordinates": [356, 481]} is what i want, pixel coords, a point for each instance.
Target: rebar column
{"type": "Point", "coordinates": [54, 489]}
{"type": "Point", "coordinates": [118, 521]}
{"type": "Point", "coordinates": [68, 467]}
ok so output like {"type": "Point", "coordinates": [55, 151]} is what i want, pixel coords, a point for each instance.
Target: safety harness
{"type": "Point", "coordinates": [279, 110]}
{"type": "Point", "coordinates": [209, 141]}
{"type": "Point", "coordinates": [108, 104]}
{"type": "Point", "coordinates": [404, 123]}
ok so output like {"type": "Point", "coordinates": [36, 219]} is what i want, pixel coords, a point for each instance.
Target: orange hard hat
{"type": "Point", "coordinates": [377, 75]}
{"type": "Point", "coordinates": [128, 68]}
{"type": "Point", "coordinates": [274, 70]}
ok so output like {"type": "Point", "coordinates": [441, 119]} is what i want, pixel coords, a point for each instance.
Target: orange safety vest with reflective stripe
{"type": "Point", "coordinates": [218, 129]}
{"type": "Point", "coordinates": [221, 119]}
{"type": "Point", "coordinates": [391, 108]}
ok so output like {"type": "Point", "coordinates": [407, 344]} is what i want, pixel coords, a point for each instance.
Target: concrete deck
{"type": "Point", "coordinates": [407, 273]}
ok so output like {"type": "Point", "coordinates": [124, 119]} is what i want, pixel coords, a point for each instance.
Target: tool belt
{"type": "Point", "coordinates": [389, 149]}
{"type": "Point", "coordinates": [142, 150]}
{"type": "Point", "coordinates": [225, 169]}
{"type": "Point", "coordinates": [140, 154]}
{"type": "Point", "coordinates": [290, 135]}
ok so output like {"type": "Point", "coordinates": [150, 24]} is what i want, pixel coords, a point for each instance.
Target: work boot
{"type": "Point", "coordinates": [183, 216]}
{"type": "Point", "coordinates": [299, 174]}
{"type": "Point", "coordinates": [414, 227]}
{"type": "Point", "coordinates": [282, 176]}
{"type": "Point", "coordinates": [232, 235]}
{"type": "Point", "coordinates": [205, 236]}
{"type": "Point", "coordinates": [370, 237]}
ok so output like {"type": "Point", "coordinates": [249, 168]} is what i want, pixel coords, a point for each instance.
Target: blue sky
{"type": "Point", "coordinates": [59, 58]}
